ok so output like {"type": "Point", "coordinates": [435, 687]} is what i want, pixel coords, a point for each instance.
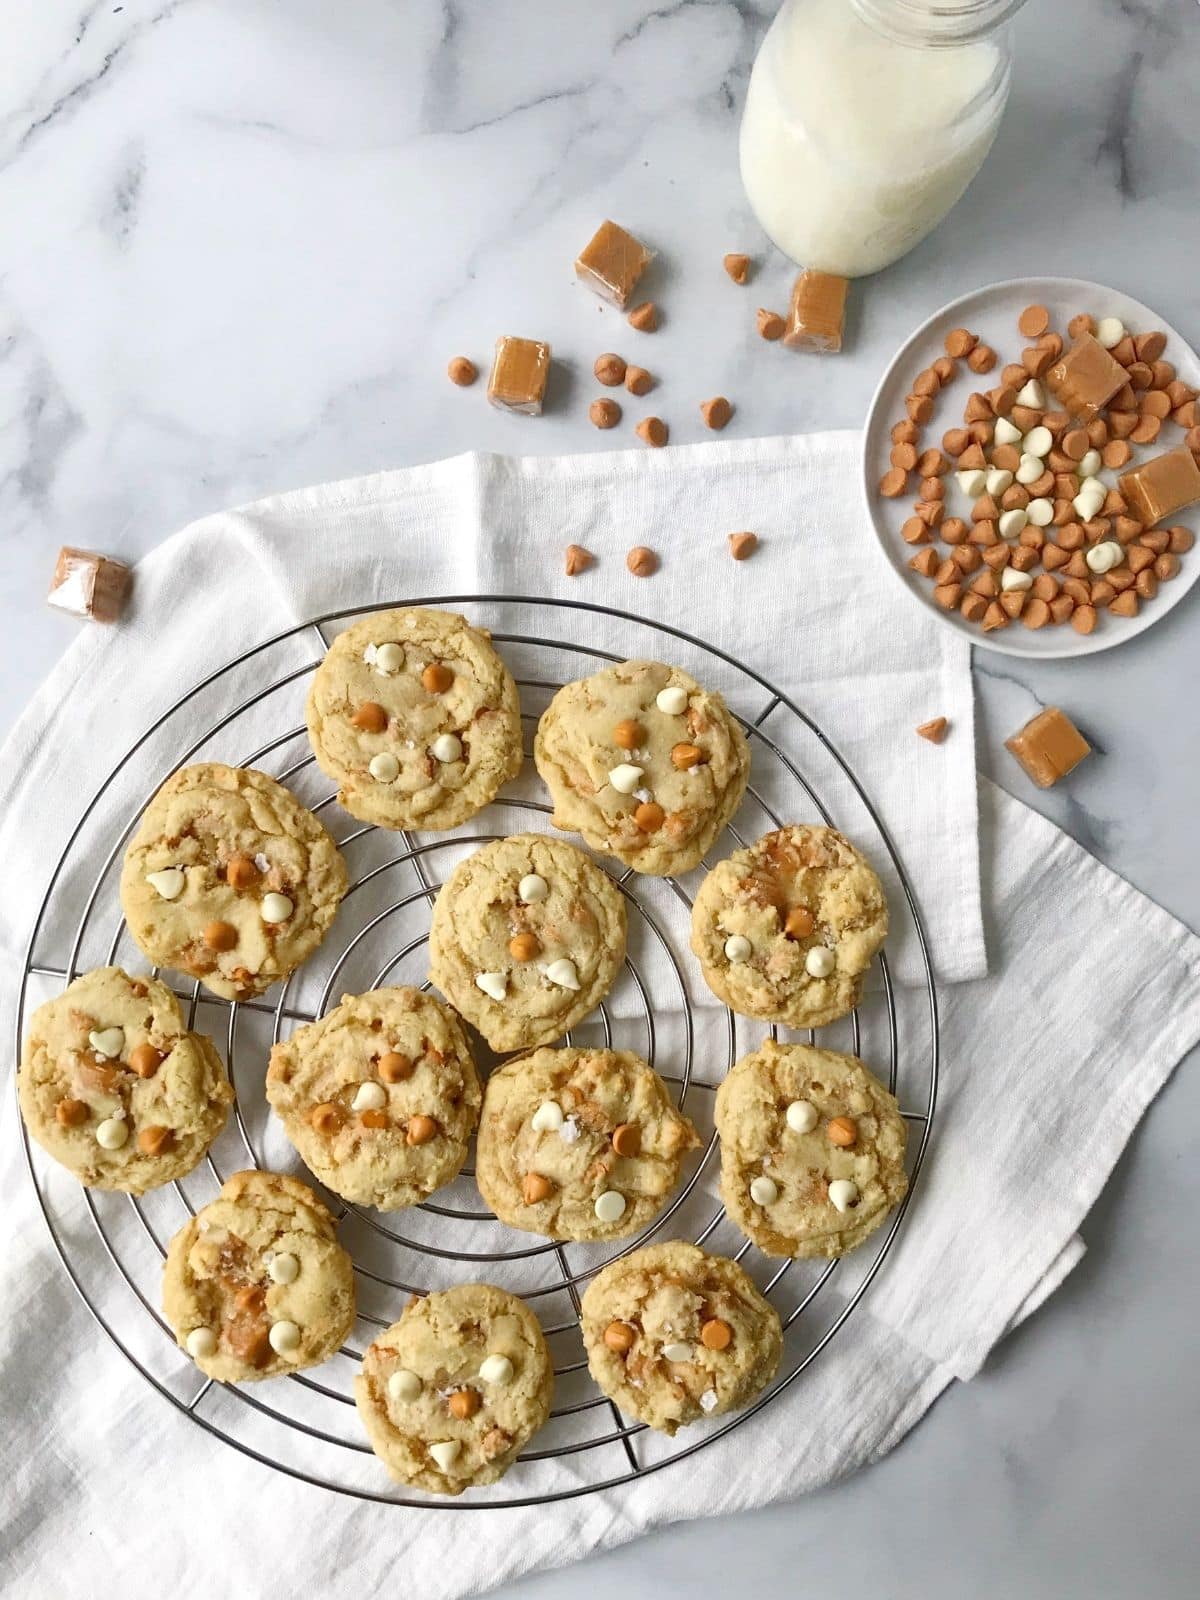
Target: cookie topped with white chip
{"type": "Point", "coordinates": [230, 879]}
{"type": "Point", "coordinates": [674, 1334]}
{"type": "Point", "coordinates": [115, 1088]}
{"type": "Point", "coordinates": [451, 1392]}
{"type": "Point", "coordinates": [579, 1144]}
{"type": "Point", "coordinates": [812, 1150]}
{"type": "Point", "coordinates": [256, 1283]}
{"type": "Point", "coordinates": [527, 937]}
{"type": "Point", "coordinates": [785, 929]}
{"type": "Point", "coordinates": [380, 1096]}
{"type": "Point", "coordinates": [416, 718]}
{"type": "Point", "coordinates": [644, 763]}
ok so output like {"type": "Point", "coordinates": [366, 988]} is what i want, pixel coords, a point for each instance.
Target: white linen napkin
{"type": "Point", "coordinates": [1030, 1117]}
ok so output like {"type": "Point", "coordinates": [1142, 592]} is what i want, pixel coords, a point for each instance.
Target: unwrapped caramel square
{"type": "Point", "coordinates": [1162, 486]}
{"type": "Point", "coordinates": [519, 373]}
{"type": "Point", "coordinates": [612, 261]}
{"type": "Point", "coordinates": [1086, 377]}
{"type": "Point", "coordinates": [87, 584]}
{"type": "Point", "coordinates": [818, 312]}
{"type": "Point", "coordinates": [1049, 747]}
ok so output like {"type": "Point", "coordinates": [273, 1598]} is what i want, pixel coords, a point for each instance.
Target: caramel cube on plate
{"type": "Point", "coordinates": [612, 261]}
{"type": "Point", "coordinates": [1086, 377]}
{"type": "Point", "coordinates": [1049, 747]}
{"type": "Point", "coordinates": [519, 373]}
{"type": "Point", "coordinates": [1162, 486]}
{"type": "Point", "coordinates": [817, 313]}
{"type": "Point", "coordinates": [87, 584]}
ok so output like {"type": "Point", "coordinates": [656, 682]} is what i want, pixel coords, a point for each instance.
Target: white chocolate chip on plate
{"type": "Point", "coordinates": [1109, 332]}
{"type": "Point", "coordinates": [284, 1267]}
{"type": "Point", "coordinates": [1030, 394]}
{"type": "Point", "coordinates": [1012, 522]}
{"type": "Point", "coordinates": [610, 1206]}
{"type": "Point", "coordinates": [1040, 512]}
{"type": "Point", "coordinates": [972, 481]}
{"type": "Point", "coordinates": [276, 907]}
{"type": "Point", "coordinates": [494, 984]}
{"type": "Point", "coordinates": [625, 777]}
{"type": "Point", "coordinates": [370, 1096]}
{"type": "Point", "coordinates": [802, 1116]}
{"type": "Point", "coordinates": [284, 1337]}
{"type": "Point", "coordinates": [404, 1385]}
{"type": "Point", "coordinates": [998, 479]}
{"type": "Point", "coordinates": [562, 972]}
{"type": "Point", "coordinates": [201, 1343]}
{"type": "Point", "coordinates": [1105, 556]}
{"type": "Point", "coordinates": [819, 962]}
{"type": "Point", "coordinates": [842, 1194]}
{"type": "Point", "coordinates": [533, 888]}
{"type": "Point", "coordinates": [1011, 579]}
{"type": "Point", "coordinates": [447, 747]}
{"type": "Point", "coordinates": [169, 883]}
{"type": "Point", "coordinates": [1038, 441]}
{"type": "Point", "coordinates": [764, 1191]}
{"type": "Point", "coordinates": [1006, 432]}
{"type": "Point", "coordinates": [1089, 465]}
{"type": "Point", "coordinates": [108, 1042]}
{"type": "Point", "coordinates": [496, 1369]}
{"type": "Point", "coordinates": [548, 1117]}
{"type": "Point", "coordinates": [671, 700]}
{"type": "Point", "coordinates": [738, 948]}
{"type": "Point", "coordinates": [384, 767]}
{"type": "Point", "coordinates": [1029, 470]}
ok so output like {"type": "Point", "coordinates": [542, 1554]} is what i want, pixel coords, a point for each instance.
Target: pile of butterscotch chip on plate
{"type": "Point", "coordinates": [1043, 513]}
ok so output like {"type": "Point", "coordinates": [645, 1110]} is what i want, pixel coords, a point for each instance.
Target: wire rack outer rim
{"type": "Point", "coordinates": [778, 698]}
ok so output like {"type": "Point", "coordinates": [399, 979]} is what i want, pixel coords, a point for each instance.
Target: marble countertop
{"type": "Point", "coordinates": [239, 241]}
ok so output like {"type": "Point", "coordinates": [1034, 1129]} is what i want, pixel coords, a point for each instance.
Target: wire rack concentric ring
{"type": "Point", "coordinates": [112, 1246]}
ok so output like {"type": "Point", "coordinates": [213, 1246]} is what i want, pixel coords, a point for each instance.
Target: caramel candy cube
{"type": "Point", "coordinates": [519, 373]}
{"type": "Point", "coordinates": [817, 312]}
{"type": "Point", "coordinates": [612, 261]}
{"type": "Point", "coordinates": [86, 584]}
{"type": "Point", "coordinates": [1162, 486]}
{"type": "Point", "coordinates": [1049, 747]}
{"type": "Point", "coordinates": [1085, 378]}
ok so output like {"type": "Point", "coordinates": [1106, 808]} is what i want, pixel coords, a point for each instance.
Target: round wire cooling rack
{"type": "Point", "coordinates": [112, 1246]}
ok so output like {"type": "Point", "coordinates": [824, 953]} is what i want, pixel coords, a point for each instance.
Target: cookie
{"type": "Point", "coordinates": [527, 937]}
{"type": "Point", "coordinates": [451, 1392]}
{"type": "Point", "coordinates": [785, 929]}
{"type": "Point", "coordinates": [230, 879]}
{"type": "Point", "coordinates": [256, 1284]}
{"type": "Point", "coordinates": [644, 763]}
{"type": "Point", "coordinates": [579, 1144]}
{"type": "Point", "coordinates": [416, 718]}
{"type": "Point", "coordinates": [380, 1096]}
{"type": "Point", "coordinates": [812, 1150]}
{"type": "Point", "coordinates": [115, 1088]}
{"type": "Point", "coordinates": [674, 1334]}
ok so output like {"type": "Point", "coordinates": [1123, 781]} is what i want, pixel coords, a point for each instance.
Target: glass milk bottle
{"type": "Point", "coordinates": [866, 119]}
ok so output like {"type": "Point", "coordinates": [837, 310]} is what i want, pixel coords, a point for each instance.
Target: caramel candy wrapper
{"type": "Point", "coordinates": [519, 373]}
{"type": "Point", "coordinates": [612, 261]}
{"type": "Point", "coordinates": [1049, 747]}
{"type": "Point", "coordinates": [817, 313]}
{"type": "Point", "coordinates": [87, 584]}
{"type": "Point", "coordinates": [1085, 378]}
{"type": "Point", "coordinates": [1162, 486]}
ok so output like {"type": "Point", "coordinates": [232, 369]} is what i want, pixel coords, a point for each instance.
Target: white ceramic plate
{"type": "Point", "coordinates": [992, 313]}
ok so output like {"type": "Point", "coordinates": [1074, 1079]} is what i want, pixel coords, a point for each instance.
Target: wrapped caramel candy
{"type": "Point", "coordinates": [87, 584]}
{"type": "Point", "coordinates": [519, 373]}
{"type": "Point", "coordinates": [1049, 747]}
{"type": "Point", "coordinates": [612, 261]}
{"type": "Point", "coordinates": [817, 313]}
{"type": "Point", "coordinates": [1160, 487]}
{"type": "Point", "coordinates": [1085, 378]}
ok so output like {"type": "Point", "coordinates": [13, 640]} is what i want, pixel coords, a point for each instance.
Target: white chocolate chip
{"type": "Point", "coordinates": [1091, 497]}
{"type": "Point", "coordinates": [533, 888]}
{"type": "Point", "coordinates": [494, 984]}
{"type": "Point", "coordinates": [644, 795]}
{"type": "Point", "coordinates": [447, 747]}
{"type": "Point", "coordinates": [1006, 432]}
{"type": "Point", "coordinates": [1040, 512]}
{"type": "Point", "coordinates": [389, 658]}
{"type": "Point", "coordinates": [108, 1042]}
{"type": "Point", "coordinates": [201, 1343]}
{"type": "Point", "coordinates": [548, 1118]}
{"type": "Point", "coordinates": [1011, 579]}
{"type": "Point", "coordinates": [404, 1385]}
{"type": "Point", "coordinates": [1105, 556]}
{"type": "Point", "coordinates": [610, 1206]}
{"type": "Point", "coordinates": [169, 883]}
{"type": "Point", "coordinates": [999, 479]}
{"type": "Point", "coordinates": [672, 701]}
{"type": "Point", "coordinates": [569, 1132]}
{"type": "Point", "coordinates": [677, 1351]}
{"type": "Point", "coordinates": [496, 1369]}
{"type": "Point", "coordinates": [384, 767]}
{"type": "Point", "coordinates": [1029, 470]}
{"type": "Point", "coordinates": [1092, 485]}
{"type": "Point", "coordinates": [972, 481]}
{"type": "Point", "coordinates": [563, 973]}
{"type": "Point", "coordinates": [842, 1194]}
{"type": "Point", "coordinates": [1031, 394]}
{"type": "Point", "coordinates": [764, 1191]}
{"type": "Point", "coordinates": [445, 1453]}
{"type": "Point", "coordinates": [625, 777]}
{"type": "Point", "coordinates": [112, 1133]}
{"type": "Point", "coordinates": [819, 962]}
{"type": "Point", "coordinates": [738, 948]}
{"type": "Point", "coordinates": [276, 907]}
{"type": "Point", "coordinates": [284, 1337]}
{"type": "Point", "coordinates": [708, 1400]}
{"type": "Point", "coordinates": [284, 1267]}
{"type": "Point", "coordinates": [370, 1096]}
{"type": "Point", "coordinates": [1110, 331]}
{"type": "Point", "coordinates": [1038, 442]}
{"type": "Point", "coordinates": [1090, 464]}
{"type": "Point", "coordinates": [802, 1116]}
{"type": "Point", "coordinates": [1012, 522]}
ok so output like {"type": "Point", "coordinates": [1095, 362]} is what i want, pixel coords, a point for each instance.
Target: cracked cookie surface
{"type": "Point", "coordinates": [644, 763]}
{"type": "Point", "coordinates": [380, 1097]}
{"type": "Point", "coordinates": [812, 1150]}
{"type": "Point", "coordinates": [579, 1144]}
{"type": "Point", "coordinates": [785, 928]}
{"type": "Point", "coordinates": [230, 879]}
{"type": "Point", "coordinates": [674, 1334]}
{"type": "Point", "coordinates": [451, 1392]}
{"type": "Point", "coordinates": [256, 1283]}
{"type": "Point", "coordinates": [115, 1088]}
{"type": "Point", "coordinates": [541, 924]}
{"type": "Point", "coordinates": [416, 718]}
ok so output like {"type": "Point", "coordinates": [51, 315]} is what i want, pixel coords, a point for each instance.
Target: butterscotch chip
{"type": "Point", "coordinates": [654, 431]}
{"type": "Point", "coordinates": [619, 1337]}
{"type": "Point", "coordinates": [1051, 343]}
{"type": "Point", "coordinates": [994, 617]}
{"type": "Point", "coordinates": [919, 407]}
{"type": "Point", "coordinates": [154, 1139]}
{"type": "Point", "coordinates": [520, 370]}
{"type": "Point", "coordinates": [905, 432]}
{"type": "Point", "coordinates": [770, 324]}
{"type": "Point", "coordinates": [716, 1334]}
{"type": "Point", "coordinates": [220, 936]}
{"type": "Point", "coordinates": [925, 562]}
{"type": "Point", "coordinates": [604, 413]}
{"type": "Point", "coordinates": [932, 489]}
{"type": "Point", "coordinates": [462, 372]}
{"type": "Point", "coordinates": [716, 412]}
{"type": "Point", "coordinates": [611, 262]}
{"type": "Point", "coordinates": [421, 1129]}
{"type": "Point", "coordinates": [955, 441]}
{"type": "Point", "coordinates": [1166, 567]}
{"type": "Point", "coordinates": [960, 342]}
{"type": "Point", "coordinates": [1163, 485]}
{"type": "Point", "coordinates": [644, 317]}
{"type": "Point", "coordinates": [817, 312]}
{"type": "Point", "coordinates": [369, 717]}
{"type": "Point", "coordinates": [524, 946]}
{"type": "Point", "coordinates": [609, 369]}
{"type": "Point", "coordinates": [577, 560]}
{"type": "Point", "coordinates": [1145, 430]}
{"type": "Point", "coordinates": [973, 607]}
{"type": "Point", "coordinates": [737, 266]}
{"type": "Point", "coordinates": [903, 456]}
{"type": "Point", "coordinates": [742, 545]}
{"type": "Point", "coordinates": [933, 464]}
{"type": "Point", "coordinates": [982, 358]}
{"type": "Point", "coordinates": [914, 531]}
{"type": "Point", "coordinates": [638, 380]}
{"type": "Point", "coordinates": [87, 584]}
{"type": "Point", "coordinates": [1083, 618]}
{"type": "Point", "coordinates": [1081, 324]}
{"type": "Point", "coordinates": [1155, 403]}
{"type": "Point", "coordinates": [892, 483]}
{"type": "Point", "coordinates": [1034, 320]}
{"type": "Point", "coordinates": [642, 561]}
{"type": "Point", "coordinates": [946, 368]}
{"type": "Point", "coordinates": [395, 1067]}
{"type": "Point", "coordinates": [935, 730]}
{"type": "Point", "coordinates": [649, 816]}
{"type": "Point", "coordinates": [627, 1139]}
{"type": "Point", "coordinates": [1049, 746]}
{"type": "Point", "coordinates": [1125, 605]}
